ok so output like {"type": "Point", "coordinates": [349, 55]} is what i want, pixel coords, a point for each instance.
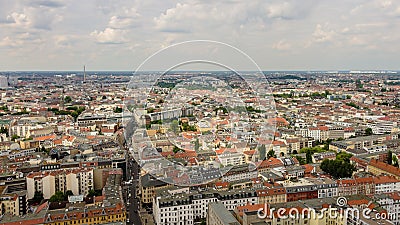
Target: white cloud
{"type": "Point", "coordinates": [118, 22]}
{"type": "Point", "coordinates": [323, 34]}
{"type": "Point", "coordinates": [19, 19]}
{"type": "Point", "coordinates": [109, 36]}
{"type": "Point", "coordinates": [282, 45]}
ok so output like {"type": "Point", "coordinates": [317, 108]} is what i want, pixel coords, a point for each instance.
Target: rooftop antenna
{"type": "Point", "coordinates": [84, 73]}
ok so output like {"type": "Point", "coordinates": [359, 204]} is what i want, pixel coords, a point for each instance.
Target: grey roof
{"type": "Point", "coordinates": [223, 214]}
{"type": "Point", "coordinates": [149, 181]}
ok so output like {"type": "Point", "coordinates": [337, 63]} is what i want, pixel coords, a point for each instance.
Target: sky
{"type": "Point", "coordinates": [276, 34]}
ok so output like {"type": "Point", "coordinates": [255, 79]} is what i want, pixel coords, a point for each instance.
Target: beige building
{"type": "Point", "coordinates": [79, 181]}
{"type": "Point", "coordinates": [148, 186]}
{"type": "Point", "coordinates": [12, 203]}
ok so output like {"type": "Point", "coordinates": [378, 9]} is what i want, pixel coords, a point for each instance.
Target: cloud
{"type": "Point", "coordinates": [283, 10]}
{"type": "Point", "coordinates": [109, 36]}
{"type": "Point", "coordinates": [282, 45]}
{"type": "Point", "coordinates": [19, 19]}
{"type": "Point", "coordinates": [323, 34]}
{"type": "Point", "coordinates": [118, 22]}
{"type": "Point", "coordinates": [46, 3]}
{"type": "Point", "coordinates": [19, 40]}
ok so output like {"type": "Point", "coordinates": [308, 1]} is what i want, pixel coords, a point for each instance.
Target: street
{"type": "Point", "coordinates": [133, 217]}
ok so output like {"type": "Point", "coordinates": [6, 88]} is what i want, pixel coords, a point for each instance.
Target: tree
{"type": "Point", "coordinates": [197, 145]}
{"type": "Point", "coordinates": [4, 130]}
{"type": "Point", "coordinates": [14, 137]}
{"type": "Point", "coordinates": [337, 168]}
{"type": "Point", "coordinates": [57, 197]}
{"type": "Point", "coordinates": [67, 194]}
{"type": "Point", "coordinates": [309, 156]}
{"type": "Point", "coordinates": [118, 110]}
{"type": "Point", "coordinates": [389, 157]}
{"type": "Point", "coordinates": [395, 161]}
{"type": "Point", "coordinates": [368, 131]}
{"type": "Point", "coordinates": [262, 151]}
{"type": "Point", "coordinates": [300, 159]}
{"type": "Point", "coordinates": [91, 193]}
{"type": "Point", "coordinates": [344, 156]}
{"type": "Point", "coordinates": [176, 149]}
{"type": "Point", "coordinates": [271, 153]}
{"type": "Point", "coordinates": [67, 99]}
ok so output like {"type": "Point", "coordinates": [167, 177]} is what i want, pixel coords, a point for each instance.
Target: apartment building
{"type": "Point", "coordinates": [219, 215]}
{"type": "Point", "coordinates": [272, 193]}
{"type": "Point", "coordinates": [240, 172]}
{"type": "Point", "coordinates": [79, 181]}
{"type": "Point", "coordinates": [148, 186]}
{"type": "Point", "coordinates": [184, 207]}
{"type": "Point", "coordinates": [13, 203]}
{"type": "Point", "coordinates": [380, 168]}
{"type": "Point", "coordinates": [391, 203]}
{"type": "Point", "coordinates": [368, 186]}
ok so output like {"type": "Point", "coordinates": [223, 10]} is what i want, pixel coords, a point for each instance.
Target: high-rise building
{"type": "Point", "coordinates": [84, 73]}
{"type": "Point", "coordinates": [3, 82]}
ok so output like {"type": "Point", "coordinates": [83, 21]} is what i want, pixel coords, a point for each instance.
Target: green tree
{"type": "Point", "coordinates": [309, 156]}
{"type": "Point", "coordinates": [337, 168]}
{"type": "Point", "coordinates": [91, 193]}
{"type": "Point", "coordinates": [118, 110]}
{"type": "Point", "coordinates": [197, 145]}
{"type": "Point", "coordinates": [3, 130]}
{"type": "Point", "coordinates": [300, 159]}
{"type": "Point", "coordinates": [14, 137]}
{"type": "Point", "coordinates": [68, 193]}
{"type": "Point", "coordinates": [395, 161]}
{"type": "Point", "coordinates": [67, 99]}
{"type": "Point", "coordinates": [389, 157]}
{"type": "Point", "coordinates": [57, 197]}
{"type": "Point", "coordinates": [344, 156]}
{"type": "Point", "coordinates": [262, 151]}
{"type": "Point", "coordinates": [271, 153]}
{"type": "Point", "coordinates": [368, 131]}
{"type": "Point", "coordinates": [176, 149]}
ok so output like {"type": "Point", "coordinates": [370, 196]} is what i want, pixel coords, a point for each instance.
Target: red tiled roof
{"type": "Point", "coordinates": [385, 167]}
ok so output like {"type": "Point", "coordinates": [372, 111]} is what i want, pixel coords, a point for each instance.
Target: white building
{"type": "Point", "coordinates": [386, 184]}
{"type": "Point", "coordinates": [79, 181]}
{"type": "Point", "coordinates": [3, 82]}
{"type": "Point", "coordinates": [184, 208]}
{"type": "Point", "coordinates": [231, 158]}
{"type": "Point", "coordinates": [390, 202]}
